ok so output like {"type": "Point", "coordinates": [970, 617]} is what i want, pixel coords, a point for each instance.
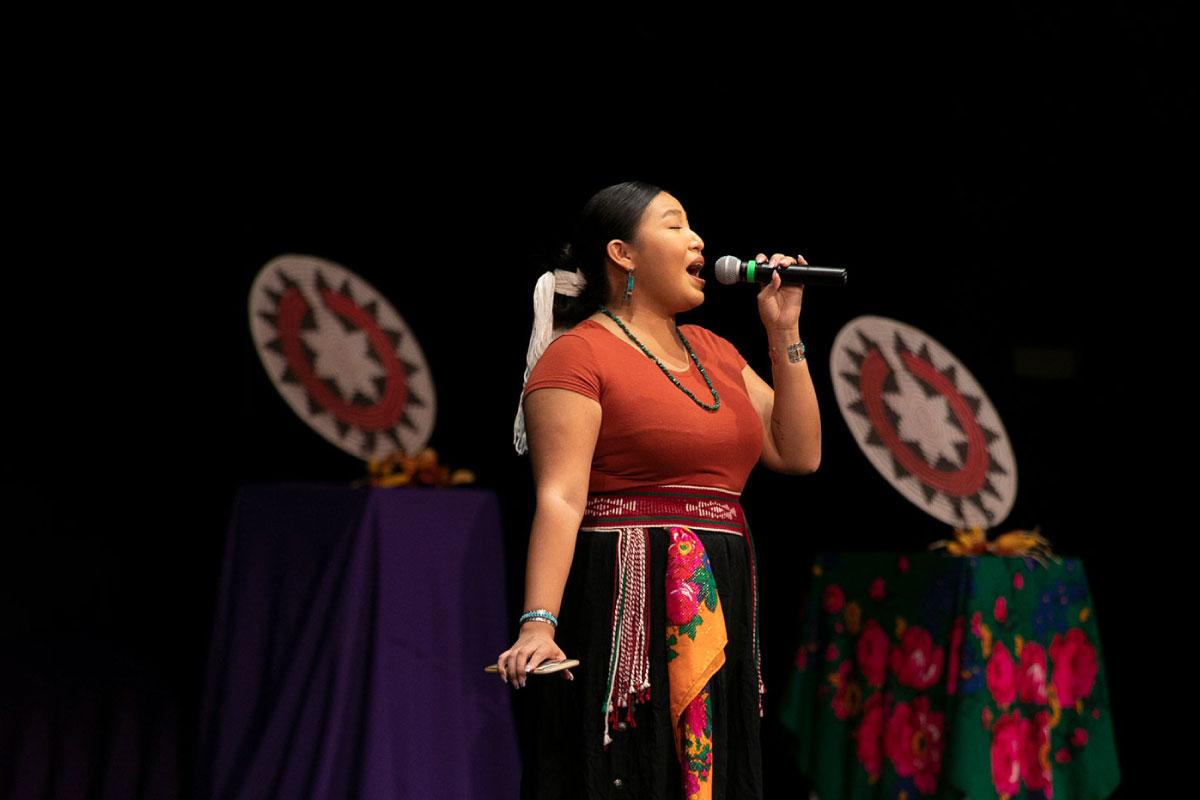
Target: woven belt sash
{"type": "Point", "coordinates": [695, 623]}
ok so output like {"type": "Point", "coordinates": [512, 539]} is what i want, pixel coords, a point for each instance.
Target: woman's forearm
{"type": "Point", "coordinates": [551, 550]}
{"type": "Point", "coordinates": [795, 418]}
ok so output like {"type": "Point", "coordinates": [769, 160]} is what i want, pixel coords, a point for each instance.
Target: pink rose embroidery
{"type": "Point", "coordinates": [683, 601]}
{"type": "Point", "coordinates": [868, 739]}
{"type": "Point", "coordinates": [696, 716]}
{"type": "Point", "coordinates": [1033, 673]}
{"type": "Point", "coordinates": [685, 554]}
{"type": "Point", "coordinates": [914, 743]}
{"type": "Point", "coordinates": [835, 598]}
{"type": "Point", "coordinates": [1035, 756]}
{"type": "Point", "coordinates": [872, 653]}
{"type": "Point", "coordinates": [1006, 754]}
{"type": "Point", "coordinates": [1075, 666]}
{"type": "Point", "coordinates": [1001, 675]}
{"type": "Point", "coordinates": [916, 662]}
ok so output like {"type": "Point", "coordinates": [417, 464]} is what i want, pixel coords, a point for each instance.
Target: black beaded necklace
{"type": "Point", "coordinates": [663, 367]}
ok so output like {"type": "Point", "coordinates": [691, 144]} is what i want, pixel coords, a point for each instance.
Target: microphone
{"type": "Point", "coordinates": [731, 270]}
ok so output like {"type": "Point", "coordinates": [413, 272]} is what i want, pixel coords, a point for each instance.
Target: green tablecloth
{"type": "Point", "coordinates": [933, 675]}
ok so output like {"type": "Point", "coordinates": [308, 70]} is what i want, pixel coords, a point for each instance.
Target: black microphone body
{"type": "Point", "coordinates": [730, 270]}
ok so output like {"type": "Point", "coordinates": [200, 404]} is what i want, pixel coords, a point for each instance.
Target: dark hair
{"type": "Point", "coordinates": [611, 213]}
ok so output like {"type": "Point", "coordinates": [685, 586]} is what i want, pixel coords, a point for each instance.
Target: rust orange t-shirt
{"type": "Point", "coordinates": [650, 431]}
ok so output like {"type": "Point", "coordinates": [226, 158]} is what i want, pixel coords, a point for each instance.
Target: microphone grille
{"type": "Point", "coordinates": [727, 269]}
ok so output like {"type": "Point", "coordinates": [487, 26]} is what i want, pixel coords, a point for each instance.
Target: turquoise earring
{"type": "Point", "coordinates": [629, 286]}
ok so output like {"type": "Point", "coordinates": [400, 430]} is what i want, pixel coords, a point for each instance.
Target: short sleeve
{"type": "Point", "coordinates": [567, 363]}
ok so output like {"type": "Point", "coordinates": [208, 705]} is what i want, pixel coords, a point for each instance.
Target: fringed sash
{"type": "Point", "coordinates": [695, 624]}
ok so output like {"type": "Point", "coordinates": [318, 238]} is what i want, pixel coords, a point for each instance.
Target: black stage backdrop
{"type": "Point", "coordinates": [1005, 181]}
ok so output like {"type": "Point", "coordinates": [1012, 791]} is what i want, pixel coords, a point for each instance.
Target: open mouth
{"type": "Point", "coordinates": [694, 270]}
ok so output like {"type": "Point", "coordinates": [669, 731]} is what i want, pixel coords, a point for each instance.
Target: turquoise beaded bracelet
{"type": "Point", "coordinates": [539, 614]}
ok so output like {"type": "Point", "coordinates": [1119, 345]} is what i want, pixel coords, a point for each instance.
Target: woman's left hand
{"type": "Point", "coordinates": [779, 305]}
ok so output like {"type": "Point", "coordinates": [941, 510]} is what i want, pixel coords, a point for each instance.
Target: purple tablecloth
{"type": "Point", "coordinates": [348, 648]}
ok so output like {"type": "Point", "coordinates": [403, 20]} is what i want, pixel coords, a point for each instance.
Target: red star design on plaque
{"type": "Point", "coordinates": [924, 421]}
{"type": "Point", "coordinates": [341, 356]}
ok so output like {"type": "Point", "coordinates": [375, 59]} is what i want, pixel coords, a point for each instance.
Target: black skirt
{"type": "Point", "coordinates": [566, 758]}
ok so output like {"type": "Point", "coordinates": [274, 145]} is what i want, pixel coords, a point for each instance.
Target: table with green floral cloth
{"type": "Point", "coordinates": [932, 675]}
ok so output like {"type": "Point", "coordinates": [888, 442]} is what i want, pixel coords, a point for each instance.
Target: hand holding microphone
{"type": "Point", "coordinates": [778, 306]}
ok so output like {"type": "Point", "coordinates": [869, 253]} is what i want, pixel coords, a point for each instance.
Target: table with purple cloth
{"type": "Point", "coordinates": [348, 646]}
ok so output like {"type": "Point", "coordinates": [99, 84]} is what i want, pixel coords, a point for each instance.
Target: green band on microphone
{"type": "Point", "coordinates": [750, 272]}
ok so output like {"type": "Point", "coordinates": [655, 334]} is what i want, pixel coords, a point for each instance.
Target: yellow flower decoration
{"type": "Point", "coordinates": [401, 469]}
{"type": "Point", "coordinates": [974, 542]}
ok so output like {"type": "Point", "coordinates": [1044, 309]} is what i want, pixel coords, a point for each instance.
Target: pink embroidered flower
{"type": "Point", "coordinates": [848, 699]}
{"type": "Point", "coordinates": [684, 553]}
{"type": "Point", "coordinates": [868, 739]}
{"type": "Point", "coordinates": [1062, 755]}
{"type": "Point", "coordinates": [1079, 737]}
{"type": "Point", "coordinates": [1019, 581]}
{"type": "Point", "coordinates": [680, 572]}
{"type": "Point", "coordinates": [696, 743]}
{"type": "Point", "coordinates": [696, 716]}
{"type": "Point", "coordinates": [914, 743]}
{"type": "Point", "coordinates": [1075, 666]}
{"type": "Point", "coordinates": [831, 652]}
{"type": "Point", "coordinates": [878, 589]}
{"type": "Point", "coordinates": [1001, 675]}
{"type": "Point", "coordinates": [683, 602]}
{"type": "Point", "coordinates": [903, 563]}
{"type": "Point", "coordinates": [835, 598]}
{"type": "Point", "coordinates": [872, 653]}
{"type": "Point", "coordinates": [1033, 673]}
{"type": "Point", "coordinates": [1006, 754]}
{"type": "Point", "coordinates": [977, 625]}
{"type": "Point", "coordinates": [1000, 609]}
{"type": "Point", "coordinates": [916, 662]}
{"type": "Point", "coordinates": [956, 637]}
{"type": "Point", "coordinates": [1035, 756]}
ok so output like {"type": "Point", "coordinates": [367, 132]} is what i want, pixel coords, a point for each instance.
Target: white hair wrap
{"type": "Point", "coordinates": [552, 282]}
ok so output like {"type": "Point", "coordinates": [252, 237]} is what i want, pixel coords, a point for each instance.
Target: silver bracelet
{"type": "Point", "coordinates": [795, 352]}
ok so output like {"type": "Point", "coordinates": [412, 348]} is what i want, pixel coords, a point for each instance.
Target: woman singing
{"type": "Point", "coordinates": [641, 435]}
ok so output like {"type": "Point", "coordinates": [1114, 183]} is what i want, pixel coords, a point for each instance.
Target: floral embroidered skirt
{"type": "Point", "coordinates": [661, 587]}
